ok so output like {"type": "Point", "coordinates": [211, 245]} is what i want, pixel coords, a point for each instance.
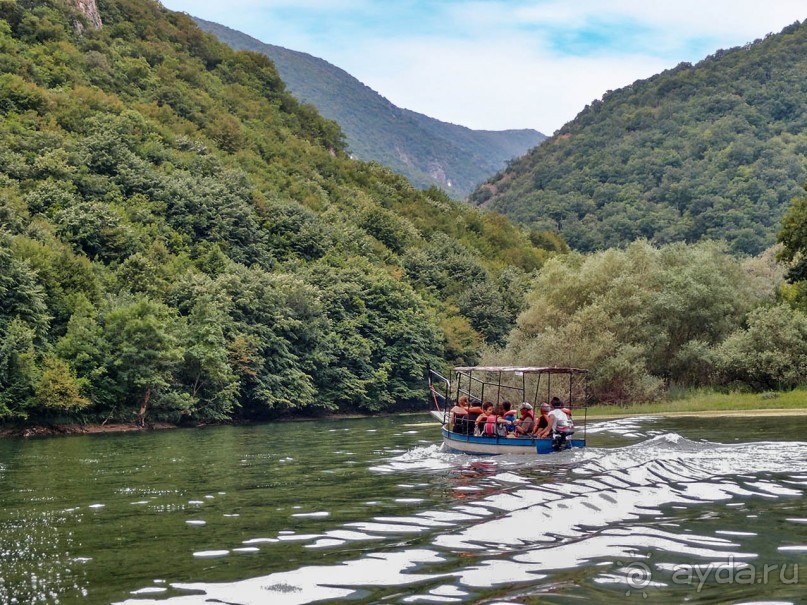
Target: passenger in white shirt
{"type": "Point", "coordinates": [558, 419]}
{"type": "Point", "coordinates": [560, 425]}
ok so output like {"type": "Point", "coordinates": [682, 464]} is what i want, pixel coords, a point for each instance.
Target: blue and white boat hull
{"type": "Point", "coordinates": [491, 446]}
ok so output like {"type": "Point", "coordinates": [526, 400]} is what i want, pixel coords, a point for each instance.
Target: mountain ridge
{"type": "Point", "coordinates": [714, 150]}
{"type": "Point", "coordinates": [425, 150]}
{"type": "Point", "coordinates": [182, 240]}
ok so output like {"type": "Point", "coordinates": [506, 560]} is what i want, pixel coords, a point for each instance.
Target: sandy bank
{"type": "Point", "coordinates": [702, 414]}
{"type": "Point", "coordinates": [79, 429]}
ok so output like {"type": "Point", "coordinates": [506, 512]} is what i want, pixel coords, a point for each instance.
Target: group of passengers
{"type": "Point", "coordinates": [500, 420]}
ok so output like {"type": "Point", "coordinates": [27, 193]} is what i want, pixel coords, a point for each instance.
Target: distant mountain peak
{"type": "Point", "coordinates": [425, 150]}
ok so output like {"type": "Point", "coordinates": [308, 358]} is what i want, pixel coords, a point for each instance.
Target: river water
{"type": "Point", "coordinates": [372, 511]}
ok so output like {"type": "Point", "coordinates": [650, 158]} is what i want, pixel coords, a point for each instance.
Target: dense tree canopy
{"type": "Point", "coordinates": [645, 318]}
{"type": "Point", "coordinates": [793, 237]}
{"type": "Point", "coordinates": [710, 151]}
{"type": "Point", "coordinates": [769, 354]}
{"type": "Point", "coordinates": [181, 239]}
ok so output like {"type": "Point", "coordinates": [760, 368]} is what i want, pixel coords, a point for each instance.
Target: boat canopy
{"type": "Point", "coordinates": [517, 383]}
{"type": "Point", "coordinates": [521, 369]}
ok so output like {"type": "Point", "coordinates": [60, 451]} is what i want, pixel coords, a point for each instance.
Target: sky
{"type": "Point", "coordinates": [499, 64]}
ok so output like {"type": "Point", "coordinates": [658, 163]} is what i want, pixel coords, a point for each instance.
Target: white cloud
{"type": "Point", "coordinates": [494, 64]}
{"type": "Point", "coordinates": [714, 18]}
{"type": "Point", "coordinates": [497, 87]}
{"type": "Point", "coordinates": [503, 77]}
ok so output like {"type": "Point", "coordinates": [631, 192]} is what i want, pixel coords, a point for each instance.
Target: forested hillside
{"type": "Point", "coordinates": [181, 239]}
{"type": "Point", "coordinates": [711, 151]}
{"type": "Point", "coordinates": [427, 151]}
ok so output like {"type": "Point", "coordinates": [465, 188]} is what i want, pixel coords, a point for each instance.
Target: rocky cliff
{"type": "Point", "coordinates": [89, 9]}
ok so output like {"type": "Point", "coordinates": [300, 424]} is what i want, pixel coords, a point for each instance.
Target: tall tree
{"type": "Point", "coordinates": [793, 237]}
{"type": "Point", "coordinates": [142, 350]}
{"type": "Point", "coordinates": [206, 369]}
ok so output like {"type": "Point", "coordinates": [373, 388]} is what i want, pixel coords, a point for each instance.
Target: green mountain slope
{"type": "Point", "coordinates": [181, 239]}
{"type": "Point", "coordinates": [426, 151]}
{"type": "Point", "coordinates": [710, 151]}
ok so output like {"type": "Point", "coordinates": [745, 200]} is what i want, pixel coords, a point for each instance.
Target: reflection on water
{"type": "Point", "coordinates": [374, 511]}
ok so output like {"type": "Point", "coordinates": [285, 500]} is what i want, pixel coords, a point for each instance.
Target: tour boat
{"type": "Point", "coordinates": [534, 385]}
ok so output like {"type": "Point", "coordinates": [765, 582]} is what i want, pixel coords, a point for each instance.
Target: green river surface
{"type": "Point", "coordinates": [655, 510]}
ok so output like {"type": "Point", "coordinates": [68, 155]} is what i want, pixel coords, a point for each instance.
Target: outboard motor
{"type": "Point", "coordinates": [561, 439]}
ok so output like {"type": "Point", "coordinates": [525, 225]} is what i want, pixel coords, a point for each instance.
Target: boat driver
{"type": "Point", "coordinates": [560, 425]}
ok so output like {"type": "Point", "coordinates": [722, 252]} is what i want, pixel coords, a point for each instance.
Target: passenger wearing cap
{"type": "Point", "coordinates": [525, 424]}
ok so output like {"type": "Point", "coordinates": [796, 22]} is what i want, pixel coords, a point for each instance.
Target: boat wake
{"type": "Point", "coordinates": [580, 524]}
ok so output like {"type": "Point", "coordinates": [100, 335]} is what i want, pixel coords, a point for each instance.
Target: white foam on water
{"type": "Point", "coordinates": [314, 515]}
{"type": "Point", "coordinates": [149, 590]}
{"type": "Point", "coordinates": [297, 537]}
{"type": "Point", "coordinates": [428, 458]}
{"type": "Point", "coordinates": [211, 553]}
{"type": "Point", "coordinates": [310, 584]}
{"type": "Point", "coordinates": [325, 543]}
{"type": "Point", "coordinates": [430, 599]}
{"type": "Point", "coordinates": [353, 536]}
{"type": "Point", "coordinates": [449, 590]}
{"type": "Point", "coordinates": [259, 541]}
{"type": "Point", "coordinates": [420, 519]}
{"type": "Point", "coordinates": [775, 490]}
{"type": "Point", "coordinates": [386, 528]}
{"type": "Point", "coordinates": [512, 478]}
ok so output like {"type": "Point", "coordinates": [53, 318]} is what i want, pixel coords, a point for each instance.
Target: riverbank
{"type": "Point", "coordinates": [699, 403]}
{"type": "Point", "coordinates": [80, 429]}
{"type": "Point", "coordinates": [702, 414]}
{"type": "Point", "coordinates": [55, 430]}
{"type": "Point", "coordinates": [710, 403]}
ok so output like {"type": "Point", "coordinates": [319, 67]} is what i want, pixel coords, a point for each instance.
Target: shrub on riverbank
{"type": "Point", "coordinates": [769, 353]}
{"type": "Point", "coordinates": [646, 317]}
